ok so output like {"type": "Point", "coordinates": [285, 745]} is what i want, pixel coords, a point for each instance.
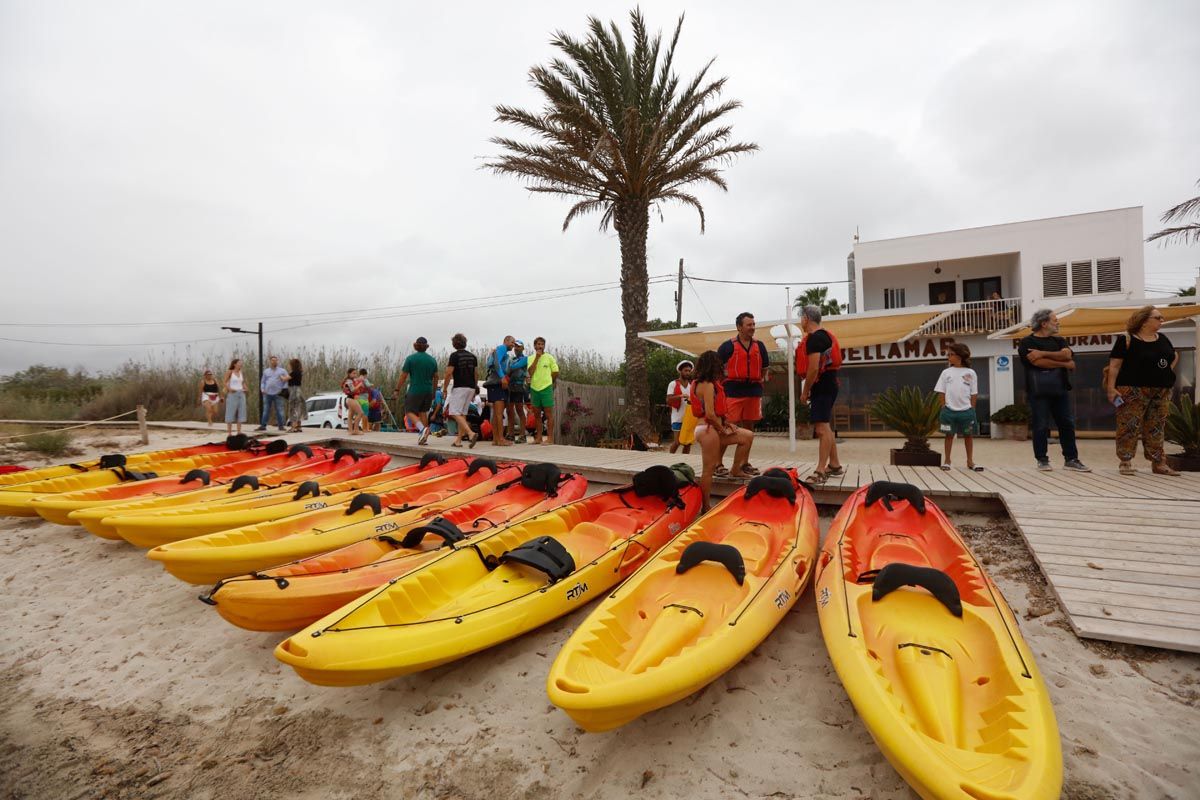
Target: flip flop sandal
{"type": "Point", "coordinates": [945, 467]}
{"type": "Point", "coordinates": [817, 477]}
{"type": "Point", "coordinates": [835, 471]}
{"type": "Point", "coordinates": [456, 444]}
{"type": "Point", "coordinates": [976, 468]}
{"type": "Point", "coordinates": [749, 470]}
{"type": "Point", "coordinates": [721, 472]}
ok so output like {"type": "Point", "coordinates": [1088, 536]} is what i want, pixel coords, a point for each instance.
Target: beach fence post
{"type": "Point", "coordinates": [141, 418]}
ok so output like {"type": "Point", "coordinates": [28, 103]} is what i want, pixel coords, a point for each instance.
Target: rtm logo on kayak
{"type": "Point", "coordinates": [577, 591]}
{"type": "Point", "coordinates": [314, 506]}
{"type": "Point", "coordinates": [782, 598]}
{"type": "Point", "coordinates": [387, 527]}
{"type": "Point", "coordinates": [823, 597]}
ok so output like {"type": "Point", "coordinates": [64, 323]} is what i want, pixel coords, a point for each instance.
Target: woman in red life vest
{"type": "Point", "coordinates": [713, 432]}
{"type": "Point", "coordinates": [678, 394]}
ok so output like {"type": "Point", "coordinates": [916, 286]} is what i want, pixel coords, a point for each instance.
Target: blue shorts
{"type": "Point", "coordinates": [677, 426]}
{"type": "Point", "coordinates": [821, 404]}
{"type": "Point", "coordinates": [497, 394]}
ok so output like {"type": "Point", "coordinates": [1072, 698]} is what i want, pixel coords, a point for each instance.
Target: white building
{"type": "Point", "coordinates": [912, 296]}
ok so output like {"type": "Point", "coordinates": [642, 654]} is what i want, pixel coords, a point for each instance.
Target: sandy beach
{"type": "Point", "coordinates": [118, 683]}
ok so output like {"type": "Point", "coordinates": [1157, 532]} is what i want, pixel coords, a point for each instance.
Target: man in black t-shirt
{"type": "Point", "coordinates": [817, 362]}
{"type": "Point", "coordinates": [1048, 362]}
{"type": "Point", "coordinates": [460, 368]}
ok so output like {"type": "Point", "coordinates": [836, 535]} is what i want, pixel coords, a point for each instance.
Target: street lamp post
{"type": "Point", "coordinates": [260, 361]}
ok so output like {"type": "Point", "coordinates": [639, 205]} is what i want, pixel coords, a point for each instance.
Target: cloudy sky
{"type": "Point", "coordinates": [225, 162]}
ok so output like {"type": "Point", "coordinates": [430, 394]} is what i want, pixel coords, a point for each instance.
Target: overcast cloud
{"type": "Point", "coordinates": [234, 161]}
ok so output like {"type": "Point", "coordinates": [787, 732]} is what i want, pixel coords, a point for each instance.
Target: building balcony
{"type": "Point", "coordinates": [979, 317]}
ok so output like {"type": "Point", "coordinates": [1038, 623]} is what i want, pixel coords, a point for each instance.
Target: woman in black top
{"type": "Point", "coordinates": [1140, 374]}
{"type": "Point", "coordinates": [210, 396]}
{"type": "Point", "coordinates": [297, 408]}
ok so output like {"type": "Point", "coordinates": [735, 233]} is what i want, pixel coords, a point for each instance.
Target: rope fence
{"type": "Point", "coordinates": [140, 411]}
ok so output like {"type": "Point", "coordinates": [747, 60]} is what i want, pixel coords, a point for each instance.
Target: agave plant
{"type": "Point", "coordinates": [1183, 426]}
{"type": "Point", "coordinates": [910, 412]}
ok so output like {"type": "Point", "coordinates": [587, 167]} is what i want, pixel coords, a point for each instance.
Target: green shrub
{"type": "Point", "coordinates": [1183, 426]}
{"type": "Point", "coordinates": [48, 443]}
{"type": "Point", "coordinates": [911, 413]}
{"type": "Point", "coordinates": [1013, 414]}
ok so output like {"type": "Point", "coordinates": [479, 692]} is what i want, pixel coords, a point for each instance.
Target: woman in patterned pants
{"type": "Point", "coordinates": [1139, 377]}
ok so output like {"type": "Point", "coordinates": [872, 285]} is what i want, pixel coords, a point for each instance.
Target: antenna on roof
{"type": "Point", "coordinates": [856, 234]}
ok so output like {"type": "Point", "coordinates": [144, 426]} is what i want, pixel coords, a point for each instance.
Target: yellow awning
{"type": "Point", "coordinates": [851, 330]}
{"type": "Point", "coordinates": [1098, 320]}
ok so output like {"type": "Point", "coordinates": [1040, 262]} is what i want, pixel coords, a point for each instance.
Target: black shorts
{"type": "Point", "coordinates": [821, 402]}
{"type": "Point", "coordinates": [418, 403]}
{"type": "Point", "coordinates": [518, 395]}
{"type": "Point", "coordinates": [497, 394]}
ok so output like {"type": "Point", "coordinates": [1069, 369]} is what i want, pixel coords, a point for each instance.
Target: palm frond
{"type": "Point", "coordinates": [1185, 234]}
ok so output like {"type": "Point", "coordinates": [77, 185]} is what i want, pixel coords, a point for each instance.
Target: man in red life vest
{"type": "Point", "coordinates": [817, 360]}
{"type": "Point", "coordinates": [746, 362]}
{"type": "Point", "coordinates": [679, 391]}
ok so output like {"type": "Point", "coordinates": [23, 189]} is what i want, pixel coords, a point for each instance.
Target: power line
{"type": "Point", "coordinates": [448, 303]}
{"type": "Point", "coordinates": [471, 305]}
{"type": "Point", "coordinates": [765, 283]}
{"type": "Point", "coordinates": [701, 299]}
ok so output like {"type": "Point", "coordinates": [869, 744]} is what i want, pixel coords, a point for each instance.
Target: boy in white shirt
{"type": "Point", "coordinates": [678, 392]}
{"type": "Point", "coordinates": [959, 387]}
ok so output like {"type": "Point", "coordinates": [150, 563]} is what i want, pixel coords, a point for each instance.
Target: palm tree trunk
{"type": "Point", "coordinates": [632, 221]}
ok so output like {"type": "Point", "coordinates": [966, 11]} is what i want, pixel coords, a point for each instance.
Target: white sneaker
{"type": "Point", "coordinates": [424, 436]}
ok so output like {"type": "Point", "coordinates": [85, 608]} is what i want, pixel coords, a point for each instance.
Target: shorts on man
{"type": "Point", "coordinates": [743, 409]}
{"type": "Point", "coordinates": [418, 402]}
{"type": "Point", "coordinates": [497, 394]}
{"type": "Point", "coordinates": [516, 396]}
{"type": "Point", "coordinates": [460, 400]}
{"type": "Point", "coordinates": [542, 398]}
{"type": "Point", "coordinates": [821, 399]}
{"type": "Point", "coordinates": [958, 423]}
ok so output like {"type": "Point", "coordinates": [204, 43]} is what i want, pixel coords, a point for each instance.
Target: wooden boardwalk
{"type": "Point", "coordinates": [1122, 554]}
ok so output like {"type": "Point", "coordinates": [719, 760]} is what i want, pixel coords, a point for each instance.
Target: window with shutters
{"type": "Point", "coordinates": [1081, 277]}
{"type": "Point", "coordinates": [1108, 275]}
{"type": "Point", "coordinates": [893, 298]}
{"type": "Point", "coordinates": [1054, 280]}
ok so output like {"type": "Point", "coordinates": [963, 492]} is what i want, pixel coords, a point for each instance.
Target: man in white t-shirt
{"type": "Point", "coordinates": [678, 392]}
{"type": "Point", "coordinates": [959, 387]}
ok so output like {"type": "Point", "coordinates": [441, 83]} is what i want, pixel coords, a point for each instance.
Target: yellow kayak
{"type": "Point", "coordinates": [208, 559]}
{"type": "Point", "coordinates": [118, 460]}
{"type": "Point", "coordinates": [931, 655]}
{"type": "Point", "coordinates": [706, 600]}
{"type": "Point", "coordinates": [489, 589]}
{"type": "Point", "coordinates": [18, 500]}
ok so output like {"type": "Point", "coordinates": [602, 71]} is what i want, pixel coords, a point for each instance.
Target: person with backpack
{"type": "Point", "coordinates": [518, 390]}
{"type": "Point", "coordinates": [1138, 381]}
{"type": "Point", "coordinates": [1048, 363]}
{"type": "Point", "coordinates": [496, 382]}
{"type": "Point", "coordinates": [818, 358]}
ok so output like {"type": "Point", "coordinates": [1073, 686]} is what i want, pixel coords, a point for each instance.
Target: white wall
{"type": "Point", "coordinates": [915, 278]}
{"type": "Point", "coordinates": [1100, 234]}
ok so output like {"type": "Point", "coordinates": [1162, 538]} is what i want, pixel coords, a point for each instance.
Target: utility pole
{"type": "Point", "coordinates": [679, 298]}
{"type": "Point", "coordinates": [260, 361]}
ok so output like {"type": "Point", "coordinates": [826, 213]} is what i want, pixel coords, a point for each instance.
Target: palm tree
{"type": "Point", "coordinates": [619, 134]}
{"type": "Point", "coordinates": [819, 296]}
{"type": "Point", "coordinates": [1187, 233]}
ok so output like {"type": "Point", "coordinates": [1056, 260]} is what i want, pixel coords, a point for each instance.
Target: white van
{"type": "Point", "coordinates": [326, 411]}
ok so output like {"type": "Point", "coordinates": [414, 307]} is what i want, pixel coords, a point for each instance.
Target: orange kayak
{"type": "Point", "coordinates": [297, 594]}
{"type": "Point", "coordinates": [256, 475]}
{"type": "Point", "coordinates": [208, 559]}
{"type": "Point", "coordinates": [930, 653]}
{"type": "Point", "coordinates": [58, 507]}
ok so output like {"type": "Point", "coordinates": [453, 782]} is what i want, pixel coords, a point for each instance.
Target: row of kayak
{"type": "Point", "coordinates": [389, 572]}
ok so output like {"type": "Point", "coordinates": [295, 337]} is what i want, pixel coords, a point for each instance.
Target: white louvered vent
{"type": "Point", "coordinates": [1081, 277]}
{"type": "Point", "coordinates": [1108, 274]}
{"type": "Point", "coordinates": [893, 298]}
{"type": "Point", "coordinates": [1054, 280]}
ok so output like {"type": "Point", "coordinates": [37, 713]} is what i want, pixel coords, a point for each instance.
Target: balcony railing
{"type": "Point", "coordinates": [975, 317]}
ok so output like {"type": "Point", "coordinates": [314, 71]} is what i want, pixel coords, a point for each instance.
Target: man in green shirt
{"type": "Point", "coordinates": [418, 371]}
{"type": "Point", "coordinates": [543, 374]}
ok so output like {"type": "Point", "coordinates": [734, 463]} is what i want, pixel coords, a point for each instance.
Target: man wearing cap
{"type": "Point", "coordinates": [418, 372]}
{"type": "Point", "coordinates": [518, 390]}
{"type": "Point", "coordinates": [679, 391]}
{"type": "Point", "coordinates": [496, 382]}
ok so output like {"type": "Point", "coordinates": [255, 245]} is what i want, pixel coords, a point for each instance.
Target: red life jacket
{"type": "Point", "coordinates": [676, 400]}
{"type": "Point", "coordinates": [745, 365]}
{"type": "Point", "coordinates": [828, 361]}
{"type": "Point", "coordinates": [718, 401]}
